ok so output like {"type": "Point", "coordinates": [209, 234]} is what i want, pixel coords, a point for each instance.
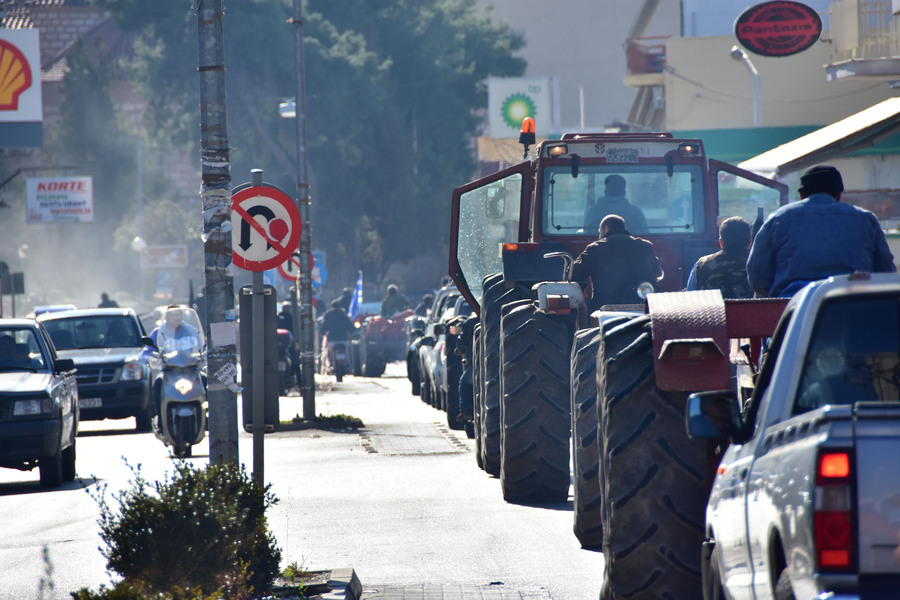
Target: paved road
{"type": "Point", "coordinates": [402, 502]}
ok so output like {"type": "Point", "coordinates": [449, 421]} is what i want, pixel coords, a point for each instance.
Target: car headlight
{"type": "Point", "coordinates": [32, 407]}
{"type": "Point", "coordinates": [133, 371]}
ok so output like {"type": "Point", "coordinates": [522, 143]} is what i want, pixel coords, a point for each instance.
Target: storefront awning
{"type": "Point", "coordinates": [862, 130]}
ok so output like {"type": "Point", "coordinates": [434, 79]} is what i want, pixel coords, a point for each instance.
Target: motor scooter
{"type": "Point", "coordinates": [180, 394]}
{"type": "Point", "coordinates": [335, 357]}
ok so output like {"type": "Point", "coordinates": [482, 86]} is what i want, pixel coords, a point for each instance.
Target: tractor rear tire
{"type": "Point", "coordinates": [655, 478]}
{"type": "Point", "coordinates": [477, 377]}
{"type": "Point", "coordinates": [496, 295]}
{"type": "Point", "coordinates": [587, 499]}
{"type": "Point", "coordinates": [535, 418]}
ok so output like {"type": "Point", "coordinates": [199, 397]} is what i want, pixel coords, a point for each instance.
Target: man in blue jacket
{"type": "Point", "coordinates": [815, 238]}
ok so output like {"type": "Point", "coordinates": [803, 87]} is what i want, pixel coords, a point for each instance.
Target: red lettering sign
{"type": "Point", "coordinates": [778, 28]}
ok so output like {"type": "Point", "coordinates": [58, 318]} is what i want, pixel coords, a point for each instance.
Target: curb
{"type": "Point", "coordinates": [336, 584]}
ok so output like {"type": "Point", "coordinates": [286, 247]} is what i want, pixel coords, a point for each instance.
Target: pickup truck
{"type": "Point", "coordinates": [38, 404]}
{"type": "Point", "coordinates": [806, 499]}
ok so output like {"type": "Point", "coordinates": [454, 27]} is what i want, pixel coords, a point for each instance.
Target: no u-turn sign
{"type": "Point", "coordinates": [265, 227]}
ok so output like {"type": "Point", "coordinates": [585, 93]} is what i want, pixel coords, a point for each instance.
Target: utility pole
{"type": "Point", "coordinates": [307, 323]}
{"type": "Point", "coordinates": [215, 195]}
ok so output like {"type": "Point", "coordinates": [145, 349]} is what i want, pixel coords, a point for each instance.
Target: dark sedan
{"type": "Point", "coordinates": [38, 403]}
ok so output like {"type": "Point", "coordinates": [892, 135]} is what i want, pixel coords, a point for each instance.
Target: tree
{"type": "Point", "coordinates": [393, 100]}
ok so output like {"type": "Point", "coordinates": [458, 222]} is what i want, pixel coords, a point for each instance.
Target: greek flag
{"type": "Point", "coordinates": [357, 300]}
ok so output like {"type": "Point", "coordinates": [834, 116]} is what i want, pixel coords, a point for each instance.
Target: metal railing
{"type": "Point", "coordinates": [863, 30]}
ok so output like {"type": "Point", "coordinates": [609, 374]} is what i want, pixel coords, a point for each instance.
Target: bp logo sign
{"type": "Point", "coordinates": [515, 108]}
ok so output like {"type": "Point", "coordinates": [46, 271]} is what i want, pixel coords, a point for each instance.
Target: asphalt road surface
{"type": "Point", "coordinates": [400, 501]}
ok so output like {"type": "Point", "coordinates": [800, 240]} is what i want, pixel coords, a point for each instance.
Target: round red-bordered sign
{"type": "Point", "coordinates": [778, 28]}
{"type": "Point", "coordinates": [265, 227]}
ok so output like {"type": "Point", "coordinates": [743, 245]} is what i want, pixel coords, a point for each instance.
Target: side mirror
{"type": "Point", "coordinates": [148, 341]}
{"type": "Point", "coordinates": [439, 329]}
{"type": "Point", "coordinates": [713, 414]}
{"type": "Point", "coordinates": [64, 365]}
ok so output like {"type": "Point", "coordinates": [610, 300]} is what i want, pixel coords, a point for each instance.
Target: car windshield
{"type": "Point", "coordinates": [104, 331]}
{"type": "Point", "coordinates": [854, 354]}
{"type": "Point", "coordinates": [20, 350]}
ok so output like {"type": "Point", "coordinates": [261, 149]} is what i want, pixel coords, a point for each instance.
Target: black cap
{"type": "Point", "coordinates": [821, 179]}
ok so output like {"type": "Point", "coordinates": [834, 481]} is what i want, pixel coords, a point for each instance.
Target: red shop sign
{"type": "Point", "coordinates": [778, 28]}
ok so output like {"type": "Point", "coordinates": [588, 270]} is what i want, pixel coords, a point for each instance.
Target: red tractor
{"type": "Point", "coordinates": [542, 363]}
{"type": "Point", "coordinates": [380, 341]}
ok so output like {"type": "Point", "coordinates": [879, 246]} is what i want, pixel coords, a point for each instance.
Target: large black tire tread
{"type": "Point", "coordinates": [586, 497]}
{"type": "Point", "coordinates": [535, 418]}
{"type": "Point", "coordinates": [654, 477]}
{"type": "Point", "coordinates": [477, 377]}
{"type": "Point", "coordinates": [496, 297]}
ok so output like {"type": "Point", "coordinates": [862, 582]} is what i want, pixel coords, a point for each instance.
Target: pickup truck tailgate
{"type": "Point", "coordinates": [877, 433]}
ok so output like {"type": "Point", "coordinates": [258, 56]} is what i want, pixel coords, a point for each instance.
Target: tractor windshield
{"type": "Point", "coordinates": [488, 216]}
{"type": "Point", "coordinates": [650, 201]}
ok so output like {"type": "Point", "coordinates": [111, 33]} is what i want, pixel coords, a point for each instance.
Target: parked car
{"type": "Point", "coordinates": [38, 403]}
{"type": "Point", "coordinates": [419, 333]}
{"type": "Point", "coordinates": [112, 354]}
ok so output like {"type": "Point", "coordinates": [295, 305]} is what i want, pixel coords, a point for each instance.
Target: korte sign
{"type": "Point", "coordinates": [60, 200]}
{"type": "Point", "coordinates": [778, 28]}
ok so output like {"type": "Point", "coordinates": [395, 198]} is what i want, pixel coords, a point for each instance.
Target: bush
{"type": "Point", "coordinates": [197, 532]}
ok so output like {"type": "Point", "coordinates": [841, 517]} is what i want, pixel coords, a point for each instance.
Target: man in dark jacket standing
{"type": "Point", "coordinates": [616, 264]}
{"type": "Point", "coordinates": [726, 270]}
{"type": "Point", "coordinates": [815, 238]}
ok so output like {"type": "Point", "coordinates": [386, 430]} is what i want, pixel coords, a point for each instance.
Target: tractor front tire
{"type": "Point", "coordinates": [535, 418]}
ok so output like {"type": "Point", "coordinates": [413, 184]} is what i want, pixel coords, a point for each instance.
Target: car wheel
{"type": "Point", "coordinates": [68, 463]}
{"type": "Point", "coordinates": [784, 589]}
{"type": "Point", "coordinates": [713, 585]}
{"type": "Point", "coordinates": [51, 470]}
{"type": "Point", "coordinates": [144, 419]}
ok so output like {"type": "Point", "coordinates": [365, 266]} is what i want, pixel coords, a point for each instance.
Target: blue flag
{"type": "Point", "coordinates": [356, 302]}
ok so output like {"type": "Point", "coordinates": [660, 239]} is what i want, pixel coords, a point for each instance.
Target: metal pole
{"type": "Point", "coordinates": [258, 362]}
{"type": "Point", "coordinates": [307, 324]}
{"type": "Point", "coordinates": [140, 186]}
{"type": "Point", "coordinates": [215, 195]}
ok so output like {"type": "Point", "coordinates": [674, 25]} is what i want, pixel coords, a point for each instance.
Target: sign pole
{"type": "Point", "coordinates": [258, 326]}
{"type": "Point", "coordinates": [307, 323]}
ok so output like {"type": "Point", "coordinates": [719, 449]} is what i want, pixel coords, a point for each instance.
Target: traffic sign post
{"type": "Point", "coordinates": [265, 231]}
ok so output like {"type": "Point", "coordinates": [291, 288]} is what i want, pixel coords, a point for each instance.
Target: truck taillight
{"type": "Point", "coordinates": [833, 509]}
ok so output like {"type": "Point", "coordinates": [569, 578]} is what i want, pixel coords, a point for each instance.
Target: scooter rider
{"type": "Point", "coordinates": [174, 333]}
{"type": "Point", "coordinates": [336, 323]}
{"type": "Point", "coordinates": [171, 335]}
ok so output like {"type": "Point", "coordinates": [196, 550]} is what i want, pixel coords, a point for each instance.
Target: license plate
{"type": "Point", "coordinates": [339, 356]}
{"type": "Point", "coordinates": [90, 402]}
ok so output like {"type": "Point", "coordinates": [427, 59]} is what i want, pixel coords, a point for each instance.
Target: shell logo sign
{"type": "Point", "coordinates": [20, 78]}
{"type": "Point", "coordinates": [15, 75]}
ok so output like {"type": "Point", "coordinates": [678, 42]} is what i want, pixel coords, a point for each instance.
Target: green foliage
{"type": "Point", "coordinates": [199, 531]}
{"type": "Point", "coordinates": [394, 96]}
